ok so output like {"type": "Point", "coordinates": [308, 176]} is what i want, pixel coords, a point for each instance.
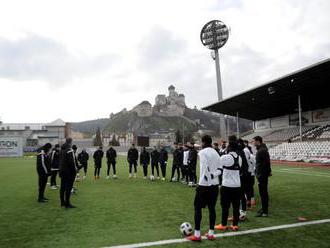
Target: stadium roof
{"type": "Point", "coordinates": [280, 97]}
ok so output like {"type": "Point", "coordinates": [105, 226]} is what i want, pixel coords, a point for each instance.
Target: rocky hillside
{"type": "Point", "coordinates": [193, 120]}
{"type": "Point", "coordinates": [90, 126]}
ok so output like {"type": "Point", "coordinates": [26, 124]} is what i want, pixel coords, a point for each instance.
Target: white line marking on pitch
{"type": "Point", "coordinates": [302, 173]}
{"type": "Point", "coordinates": [305, 171]}
{"type": "Point", "coordinates": [227, 234]}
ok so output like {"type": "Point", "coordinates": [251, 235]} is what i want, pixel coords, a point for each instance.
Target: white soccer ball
{"type": "Point", "coordinates": [186, 229]}
{"type": "Point", "coordinates": [242, 215]}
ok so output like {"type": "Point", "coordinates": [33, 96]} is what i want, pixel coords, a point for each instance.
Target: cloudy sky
{"type": "Point", "coordinates": [80, 60]}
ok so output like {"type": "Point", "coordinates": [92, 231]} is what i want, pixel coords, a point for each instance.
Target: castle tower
{"type": "Point", "coordinates": [171, 91]}
{"type": "Point", "coordinates": [181, 100]}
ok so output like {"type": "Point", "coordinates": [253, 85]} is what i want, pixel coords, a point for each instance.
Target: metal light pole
{"type": "Point", "coordinates": [214, 35]}
{"type": "Point", "coordinates": [300, 118]}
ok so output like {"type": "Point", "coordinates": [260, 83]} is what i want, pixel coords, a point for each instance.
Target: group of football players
{"type": "Point", "coordinates": [233, 171]}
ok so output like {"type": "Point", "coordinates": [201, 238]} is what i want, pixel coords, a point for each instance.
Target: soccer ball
{"type": "Point", "coordinates": [242, 215]}
{"type": "Point", "coordinates": [186, 229]}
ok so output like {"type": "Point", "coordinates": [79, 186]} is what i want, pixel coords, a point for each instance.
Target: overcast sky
{"type": "Point", "coordinates": [81, 60]}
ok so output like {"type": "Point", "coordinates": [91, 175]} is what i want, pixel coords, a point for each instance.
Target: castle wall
{"type": "Point", "coordinates": [144, 111]}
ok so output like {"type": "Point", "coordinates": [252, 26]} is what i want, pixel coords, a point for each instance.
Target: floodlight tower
{"type": "Point", "coordinates": [214, 35]}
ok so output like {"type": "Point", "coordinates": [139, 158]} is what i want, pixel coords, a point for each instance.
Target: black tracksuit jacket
{"type": "Point", "coordinates": [43, 163]}
{"type": "Point", "coordinates": [111, 155]}
{"type": "Point", "coordinates": [177, 157]}
{"type": "Point", "coordinates": [68, 161]}
{"type": "Point", "coordinates": [83, 158]}
{"type": "Point", "coordinates": [132, 155]}
{"type": "Point", "coordinates": [144, 158]}
{"type": "Point", "coordinates": [263, 168]}
{"type": "Point", "coordinates": [154, 157]}
{"type": "Point", "coordinates": [163, 156]}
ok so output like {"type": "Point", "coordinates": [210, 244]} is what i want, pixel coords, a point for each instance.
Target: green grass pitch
{"type": "Point", "coordinates": [125, 211]}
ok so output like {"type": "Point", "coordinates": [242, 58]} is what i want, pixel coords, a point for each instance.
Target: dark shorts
{"type": "Point", "coordinates": [206, 196]}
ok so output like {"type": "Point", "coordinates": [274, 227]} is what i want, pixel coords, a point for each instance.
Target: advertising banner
{"type": "Point", "coordinates": [11, 147]}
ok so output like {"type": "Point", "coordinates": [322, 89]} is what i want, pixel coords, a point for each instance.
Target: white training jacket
{"type": "Point", "coordinates": [209, 165]}
{"type": "Point", "coordinates": [185, 157]}
{"type": "Point", "coordinates": [251, 161]}
{"type": "Point", "coordinates": [230, 178]}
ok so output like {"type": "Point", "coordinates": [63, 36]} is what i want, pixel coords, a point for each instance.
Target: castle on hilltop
{"type": "Point", "coordinates": [171, 105]}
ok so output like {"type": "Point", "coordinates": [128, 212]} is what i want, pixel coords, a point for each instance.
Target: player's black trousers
{"type": "Point", "coordinates": [163, 168]}
{"type": "Point", "coordinates": [244, 190]}
{"type": "Point", "coordinates": [263, 191]}
{"type": "Point", "coordinates": [183, 172]}
{"type": "Point", "coordinates": [131, 164]}
{"type": "Point", "coordinates": [53, 178]}
{"type": "Point", "coordinates": [113, 163]}
{"type": "Point", "coordinates": [192, 173]}
{"type": "Point", "coordinates": [153, 166]}
{"type": "Point", "coordinates": [66, 187]}
{"type": "Point", "coordinates": [85, 168]}
{"type": "Point", "coordinates": [250, 188]}
{"type": "Point", "coordinates": [176, 167]}
{"type": "Point", "coordinates": [145, 169]}
{"type": "Point", "coordinates": [205, 196]}
{"type": "Point", "coordinates": [230, 196]}
{"type": "Point", "coordinates": [186, 173]}
{"type": "Point", "coordinates": [97, 171]}
{"type": "Point", "coordinates": [42, 182]}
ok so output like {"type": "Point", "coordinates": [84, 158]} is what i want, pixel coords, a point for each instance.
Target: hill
{"type": "Point", "coordinates": [192, 121]}
{"type": "Point", "coordinates": [90, 126]}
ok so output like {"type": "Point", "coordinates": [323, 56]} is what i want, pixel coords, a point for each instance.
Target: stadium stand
{"type": "Point", "coordinates": [283, 107]}
{"type": "Point", "coordinates": [324, 133]}
{"type": "Point", "coordinates": [262, 133]}
{"type": "Point", "coordinates": [314, 151]}
{"type": "Point", "coordinates": [319, 132]}
{"type": "Point", "coordinates": [286, 133]}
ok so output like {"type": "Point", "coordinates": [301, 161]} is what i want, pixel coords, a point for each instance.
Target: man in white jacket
{"type": "Point", "coordinates": [208, 187]}
{"type": "Point", "coordinates": [231, 185]}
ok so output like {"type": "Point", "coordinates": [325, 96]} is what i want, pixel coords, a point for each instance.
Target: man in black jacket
{"type": "Point", "coordinates": [68, 171]}
{"type": "Point", "coordinates": [144, 161]}
{"type": "Point", "coordinates": [154, 163]}
{"type": "Point", "coordinates": [263, 171]}
{"type": "Point", "coordinates": [177, 163]}
{"type": "Point", "coordinates": [111, 160]}
{"type": "Point", "coordinates": [43, 169]}
{"type": "Point", "coordinates": [98, 156]}
{"type": "Point", "coordinates": [83, 160]}
{"type": "Point", "coordinates": [54, 165]}
{"type": "Point", "coordinates": [132, 158]}
{"type": "Point", "coordinates": [163, 157]}
{"type": "Point", "coordinates": [192, 164]}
